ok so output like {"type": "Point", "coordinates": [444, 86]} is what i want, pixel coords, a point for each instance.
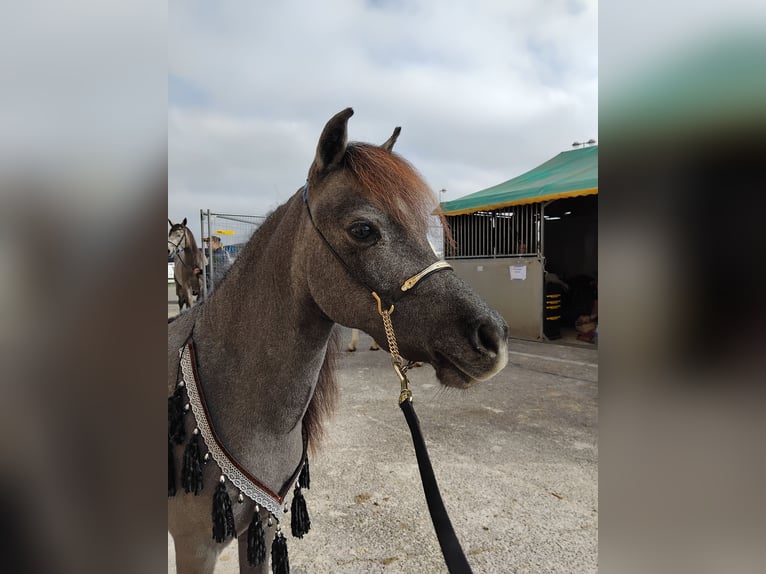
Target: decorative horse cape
{"type": "Point", "coordinates": [249, 486]}
{"type": "Point", "coordinates": [245, 406]}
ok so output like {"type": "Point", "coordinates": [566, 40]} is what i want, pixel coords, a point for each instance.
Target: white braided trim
{"type": "Point", "coordinates": [231, 472]}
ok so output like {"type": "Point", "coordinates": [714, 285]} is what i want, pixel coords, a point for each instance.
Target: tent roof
{"type": "Point", "coordinates": [569, 174]}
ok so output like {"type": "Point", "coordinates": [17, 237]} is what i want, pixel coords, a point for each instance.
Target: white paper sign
{"type": "Point", "coordinates": [518, 272]}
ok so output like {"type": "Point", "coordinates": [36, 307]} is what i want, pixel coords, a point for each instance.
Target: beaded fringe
{"type": "Point", "coordinates": [192, 471]}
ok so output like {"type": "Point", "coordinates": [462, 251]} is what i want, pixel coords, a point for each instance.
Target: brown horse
{"type": "Point", "coordinates": [259, 400]}
{"type": "Point", "coordinates": [188, 263]}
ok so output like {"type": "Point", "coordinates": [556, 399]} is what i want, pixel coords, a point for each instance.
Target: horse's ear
{"type": "Point", "coordinates": [184, 223]}
{"type": "Point", "coordinates": [170, 223]}
{"type": "Point", "coordinates": [389, 144]}
{"type": "Point", "coordinates": [332, 143]}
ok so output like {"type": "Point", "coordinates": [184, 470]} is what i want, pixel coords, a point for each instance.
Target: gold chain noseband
{"type": "Point", "coordinates": [397, 362]}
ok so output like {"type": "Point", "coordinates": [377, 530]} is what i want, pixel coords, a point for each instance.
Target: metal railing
{"type": "Point", "coordinates": [233, 230]}
{"type": "Point", "coordinates": [504, 232]}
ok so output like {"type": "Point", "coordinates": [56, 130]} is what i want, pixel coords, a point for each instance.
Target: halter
{"type": "Point", "coordinates": [177, 245]}
{"type": "Point", "coordinates": [177, 251]}
{"type": "Point", "coordinates": [396, 359]}
{"type": "Point", "coordinates": [450, 545]}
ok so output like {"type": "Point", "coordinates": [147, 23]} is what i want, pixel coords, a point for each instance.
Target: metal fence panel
{"type": "Point", "coordinates": [233, 230]}
{"type": "Point", "coordinates": [502, 232]}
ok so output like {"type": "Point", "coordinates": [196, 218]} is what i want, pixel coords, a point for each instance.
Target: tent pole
{"type": "Point", "coordinates": [541, 246]}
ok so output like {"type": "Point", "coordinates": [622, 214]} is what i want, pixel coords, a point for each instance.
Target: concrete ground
{"type": "Point", "coordinates": [516, 459]}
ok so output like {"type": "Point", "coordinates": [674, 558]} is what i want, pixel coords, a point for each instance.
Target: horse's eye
{"type": "Point", "coordinates": [361, 230]}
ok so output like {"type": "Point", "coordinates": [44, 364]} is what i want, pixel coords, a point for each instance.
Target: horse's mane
{"type": "Point", "coordinates": [322, 404]}
{"type": "Point", "coordinates": [393, 184]}
{"type": "Point", "coordinates": [190, 240]}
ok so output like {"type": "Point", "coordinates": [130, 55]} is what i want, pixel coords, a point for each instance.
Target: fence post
{"type": "Point", "coordinates": [204, 267]}
{"type": "Point", "coordinates": [210, 252]}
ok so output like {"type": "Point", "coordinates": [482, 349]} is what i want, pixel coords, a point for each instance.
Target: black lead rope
{"type": "Point", "coordinates": [451, 549]}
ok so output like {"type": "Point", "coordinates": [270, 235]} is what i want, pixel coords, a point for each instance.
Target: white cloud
{"type": "Point", "coordinates": [482, 90]}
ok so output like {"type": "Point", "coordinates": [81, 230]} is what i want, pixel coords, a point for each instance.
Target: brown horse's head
{"type": "Point", "coordinates": [367, 231]}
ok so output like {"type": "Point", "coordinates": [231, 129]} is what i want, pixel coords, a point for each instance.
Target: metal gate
{"type": "Point", "coordinates": [499, 233]}
{"type": "Point", "coordinates": [500, 254]}
{"type": "Point", "coordinates": [512, 286]}
{"type": "Point", "coordinates": [234, 232]}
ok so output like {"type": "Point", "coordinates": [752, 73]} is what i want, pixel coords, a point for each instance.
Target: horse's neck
{"type": "Point", "coordinates": [191, 246]}
{"type": "Point", "coordinates": [191, 253]}
{"type": "Point", "coordinates": [261, 342]}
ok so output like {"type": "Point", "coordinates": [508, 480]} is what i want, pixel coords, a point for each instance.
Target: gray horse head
{"type": "Point", "coordinates": [371, 207]}
{"type": "Point", "coordinates": [176, 237]}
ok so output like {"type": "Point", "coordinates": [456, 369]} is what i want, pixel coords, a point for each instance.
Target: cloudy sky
{"type": "Point", "coordinates": [483, 90]}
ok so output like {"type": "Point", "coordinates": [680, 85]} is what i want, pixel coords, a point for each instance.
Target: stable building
{"type": "Point", "coordinates": [529, 245]}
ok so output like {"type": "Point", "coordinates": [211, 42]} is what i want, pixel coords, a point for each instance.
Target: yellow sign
{"type": "Point", "coordinates": [225, 231]}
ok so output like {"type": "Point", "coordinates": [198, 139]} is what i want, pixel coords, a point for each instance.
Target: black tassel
{"type": "Point", "coordinates": [256, 541]}
{"type": "Point", "coordinates": [191, 473]}
{"type": "Point", "coordinates": [171, 470]}
{"type": "Point", "coordinates": [300, 523]}
{"type": "Point", "coordinates": [176, 428]}
{"type": "Point", "coordinates": [280, 564]}
{"type": "Point", "coordinates": [305, 478]}
{"type": "Point", "coordinates": [223, 517]}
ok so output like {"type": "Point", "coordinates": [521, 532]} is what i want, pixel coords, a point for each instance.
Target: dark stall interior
{"type": "Point", "coordinates": [571, 264]}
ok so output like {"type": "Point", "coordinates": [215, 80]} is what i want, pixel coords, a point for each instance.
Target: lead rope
{"type": "Point", "coordinates": [450, 546]}
{"type": "Point", "coordinates": [445, 533]}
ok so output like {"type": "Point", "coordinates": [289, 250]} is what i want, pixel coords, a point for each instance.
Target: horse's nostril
{"type": "Point", "coordinates": [487, 337]}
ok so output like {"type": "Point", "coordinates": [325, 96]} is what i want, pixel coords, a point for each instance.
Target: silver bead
{"type": "Point", "coordinates": [222, 479]}
{"type": "Point", "coordinates": [187, 406]}
{"type": "Point", "coordinates": [195, 431]}
{"type": "Point", "coordinates": [181, 384]}
{"type": "Point", "coordinates": [241, 498]}
{"type": "Point", "coordinates": [206, 458]}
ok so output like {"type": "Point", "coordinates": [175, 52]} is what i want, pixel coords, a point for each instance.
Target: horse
{"type": "Point", "coordinates": [355, 341]}
{"type": "Point", "coordinates": [259, 401]}
{"type": "Point", "coordinates": [188, 264]}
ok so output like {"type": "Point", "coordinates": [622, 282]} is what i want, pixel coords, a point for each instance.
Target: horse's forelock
{"type": "Point", "coordinates": [393, 184]}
